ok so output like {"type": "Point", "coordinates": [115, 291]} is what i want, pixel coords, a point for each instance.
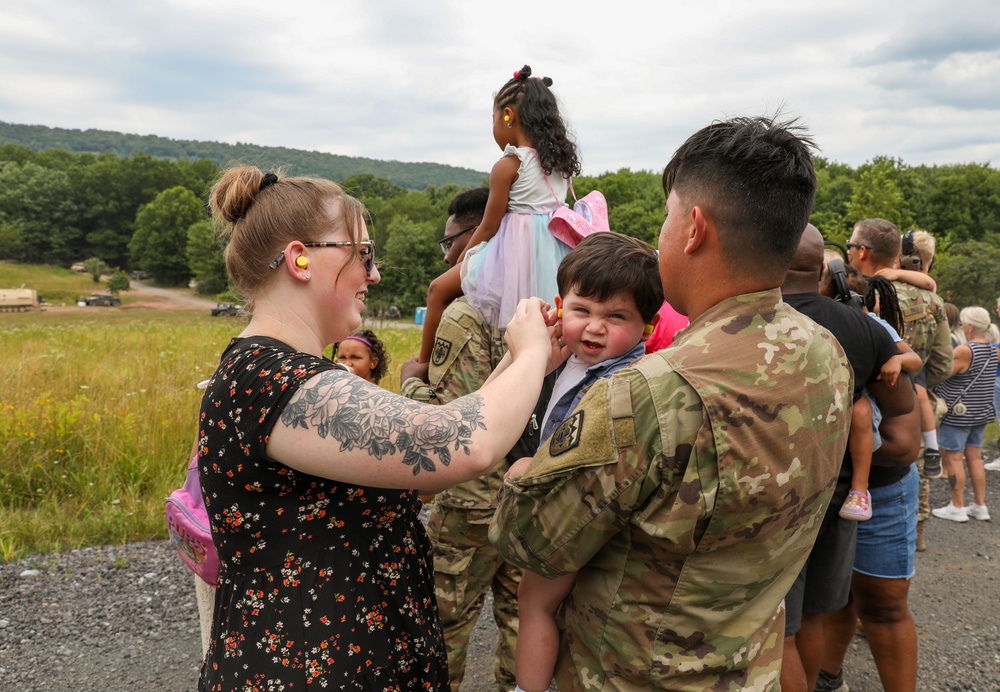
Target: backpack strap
{"type": "Point", "coordinates": [549, 182]}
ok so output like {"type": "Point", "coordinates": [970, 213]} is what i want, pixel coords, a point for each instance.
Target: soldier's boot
{"type": "Point", "coordinates": [921, 543]}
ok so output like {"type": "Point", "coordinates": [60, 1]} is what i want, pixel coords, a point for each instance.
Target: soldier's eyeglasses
{"type": "Point", "coordinates": [448, 240]}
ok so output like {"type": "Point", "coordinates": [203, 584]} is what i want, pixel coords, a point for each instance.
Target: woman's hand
{"type": "Point", "coordinates": [527, 332]}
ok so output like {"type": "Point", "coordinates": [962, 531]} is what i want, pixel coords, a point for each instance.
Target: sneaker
{"type": "Point", "coordinates": [831, 683]}
{"type": "Point", "coordinates": [932, 463]}
{"type": "Point", "coordinates": [993, 465]}
{"type": "Point", "coordinates": [951, 513]}
{"type": "Point", "coordinates": [978, 512]}
{"type": "Point", "coordinates": [857, 506]}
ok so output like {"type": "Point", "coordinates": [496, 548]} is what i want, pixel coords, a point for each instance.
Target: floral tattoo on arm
{"type": "Point", "coordinates": [361, 415]}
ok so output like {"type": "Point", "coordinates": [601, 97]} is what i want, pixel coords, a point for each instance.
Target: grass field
{"type": "Point", "coordinates": [54, 284]}
{"type": "Point", "coordinates": [97, 415]}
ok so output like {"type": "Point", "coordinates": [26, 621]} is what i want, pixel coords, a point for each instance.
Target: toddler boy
{"type": "Point", "coordinates": [609, 295]}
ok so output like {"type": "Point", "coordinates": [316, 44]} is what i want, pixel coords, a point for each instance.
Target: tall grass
{"type": "Point", "coordinates": [98, 412]}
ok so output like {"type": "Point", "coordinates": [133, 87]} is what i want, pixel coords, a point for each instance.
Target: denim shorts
{"type": "Point", "coordinates": [887, 542]}
{"type": "Point", "coordinates": [955, 439]}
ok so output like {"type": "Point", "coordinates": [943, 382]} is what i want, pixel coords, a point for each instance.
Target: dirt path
{"type": "Point", "coordinates": [167, 298]}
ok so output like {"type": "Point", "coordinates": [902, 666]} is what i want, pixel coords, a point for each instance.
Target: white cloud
{"type": "Point", "coordinates": [414, 82]}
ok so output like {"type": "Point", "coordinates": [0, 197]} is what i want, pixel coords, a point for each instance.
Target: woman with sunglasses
{"type": "Point", "coordinates": [310, 474]}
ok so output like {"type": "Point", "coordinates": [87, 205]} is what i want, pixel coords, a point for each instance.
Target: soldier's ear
{"type": "Point", "coordinates": [701, 224]}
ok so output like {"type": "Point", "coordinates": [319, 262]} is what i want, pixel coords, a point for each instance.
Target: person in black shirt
{"type": "Point", "coordinates": [825, 582]}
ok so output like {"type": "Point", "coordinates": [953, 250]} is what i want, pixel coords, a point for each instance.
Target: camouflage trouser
{"type": "Point", "coordinates": [466, 566]}
{"type": "Point", "coordinates": [924, 499]}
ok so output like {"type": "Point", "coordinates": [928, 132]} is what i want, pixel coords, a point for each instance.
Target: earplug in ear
{"type": "Point", "coordinates": [559, 313]}
{"type": "Point", "coordinates": [506, 118]}
{"type": "Point", "coordinates": [647, 330]}
{"type": "Point", "coordinates": [301, 262]}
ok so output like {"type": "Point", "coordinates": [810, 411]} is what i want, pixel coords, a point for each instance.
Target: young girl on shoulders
{"type": "Point", "coordinates": [512, 254]}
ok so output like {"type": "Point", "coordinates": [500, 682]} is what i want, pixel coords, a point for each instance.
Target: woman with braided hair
{"type": "Point", "coordinates": [512, 254]}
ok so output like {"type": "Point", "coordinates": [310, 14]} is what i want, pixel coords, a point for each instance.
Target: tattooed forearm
{"type": "Point", "coordinates": [361, 415]}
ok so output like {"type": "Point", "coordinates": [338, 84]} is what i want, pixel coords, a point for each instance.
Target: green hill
{"type": "Point", "coordinates": [413, 176]}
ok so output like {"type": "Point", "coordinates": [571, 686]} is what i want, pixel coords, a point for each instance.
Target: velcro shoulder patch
{"type": "Point", "coordinates": [442, 347]}
{"type": "Point", "coordinates": [622, 416]}
{"type": "Point", "coordinates": [567, 435]}
{"type": "Point", "coordinates": [584, 439]}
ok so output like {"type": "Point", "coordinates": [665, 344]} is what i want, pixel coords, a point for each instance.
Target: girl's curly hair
{"type": "Point", "coordinates": [539, 113]}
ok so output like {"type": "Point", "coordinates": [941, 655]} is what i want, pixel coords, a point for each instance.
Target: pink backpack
{"type": "Point", "coordinates": [189, 529]}
{"type": "Point", "coordinates": [588, 215]}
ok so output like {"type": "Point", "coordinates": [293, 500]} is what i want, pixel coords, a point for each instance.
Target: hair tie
{"type": "Point", "coordinates": [268, 180]}
{"type": "Point", "coordinates": [517, 74]}
{"type": "Point", "coordinates": [363, 340]}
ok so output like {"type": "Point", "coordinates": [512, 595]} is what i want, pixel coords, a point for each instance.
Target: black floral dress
{"type": "Point", "coordinates": [322, 584]}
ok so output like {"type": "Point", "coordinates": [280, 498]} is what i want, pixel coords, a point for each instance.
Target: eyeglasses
{"type": "Point", "coordinates": [367, 252]}
{"type": "Point", "coordinates": [448, 240]}
{"type": "Point", "coordinates": [857, 246]}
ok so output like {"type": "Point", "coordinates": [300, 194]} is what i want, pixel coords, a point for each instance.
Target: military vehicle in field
{"type": "Point", "coordinates": [105, 299]}
{"type": "Point", "coordinates": [226, 309]}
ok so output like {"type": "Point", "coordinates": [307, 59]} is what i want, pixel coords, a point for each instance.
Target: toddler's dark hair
{"type": "Point", "coordinates": [538, 110]}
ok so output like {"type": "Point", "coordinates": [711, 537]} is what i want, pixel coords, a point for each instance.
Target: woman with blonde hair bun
{"type": "Point", "coordinates": [969, 396]}
{"type": "Point", "coordinates": [310, 474]}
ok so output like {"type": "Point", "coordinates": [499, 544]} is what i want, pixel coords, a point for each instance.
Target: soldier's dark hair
{"type": "Point", "coordinates": [882, 239]}
{"type": "Point", "coordinates": [468, 207]}
{"type": "Point", "coordinates": [607, 264]}
{"type": "Point", "coordinates": [538, 112]}
{"type": "Point", "coordinates": [755, 177]}
{"type": "Point", "coordinates": [888, 302]}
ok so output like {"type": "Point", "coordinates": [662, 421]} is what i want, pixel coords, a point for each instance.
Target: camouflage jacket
{"type": "Point", "coordinates": [466, 349]}
{"type": "Point", "coordinates": [686, 492]}
{"type": "Point", "coordinates": [926, 330]}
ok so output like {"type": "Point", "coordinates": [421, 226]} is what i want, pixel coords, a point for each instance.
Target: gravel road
{"type": "Point", "coordinates": [124, 617]}
{"type": "Point", "coordinates": [172, 298]}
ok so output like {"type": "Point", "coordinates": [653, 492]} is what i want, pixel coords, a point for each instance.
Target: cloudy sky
{"type": "Point", "coordinates": [414, 81]}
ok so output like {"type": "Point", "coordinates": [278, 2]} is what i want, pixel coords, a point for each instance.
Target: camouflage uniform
{"type": "Point", "coordinates": [926, 332]}
{"type": "Point", "coordinates": [466, 565]}
{"type": "Point", "coordinates": [686, 491]}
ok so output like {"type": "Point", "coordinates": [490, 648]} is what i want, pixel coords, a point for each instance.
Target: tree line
{"type": "Point", "coordinates": [412, 176]}
{"type": "Point", "coordinates": [145, 213]}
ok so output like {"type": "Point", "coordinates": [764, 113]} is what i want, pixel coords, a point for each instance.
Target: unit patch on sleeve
{"type": "Point", "coordinates": [442, 347]}
{"type": "Point", "coordinates": [567, 435]}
